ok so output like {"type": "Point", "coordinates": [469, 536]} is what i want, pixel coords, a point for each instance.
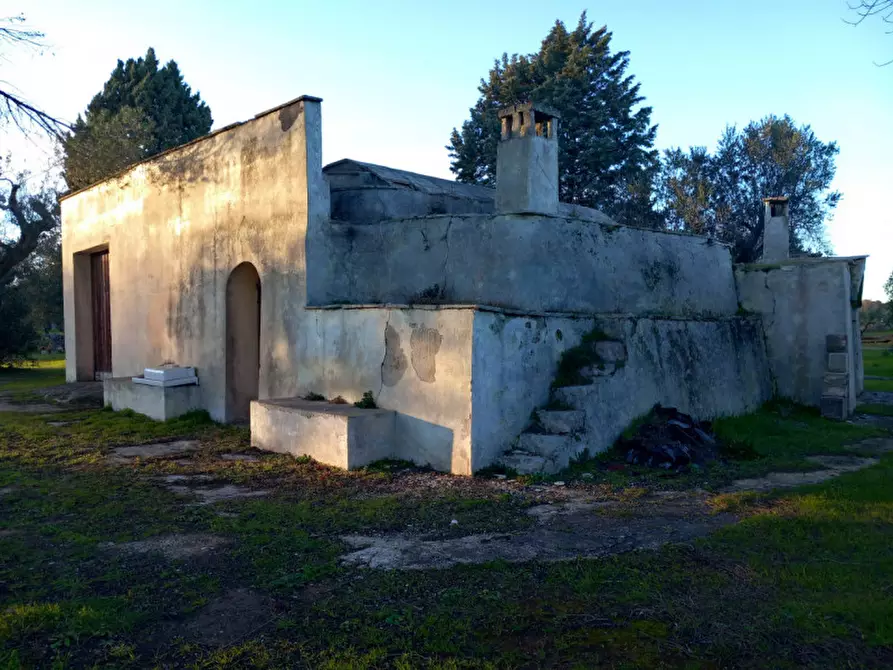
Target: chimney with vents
{"type": "Point", "coordinates": [776, 230]}
{"type": "Point", "coordinates": [527, 161]}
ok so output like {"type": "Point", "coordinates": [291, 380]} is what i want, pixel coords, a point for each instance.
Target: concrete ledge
{"type": "Point", "coordinates": [156, 402]}
{"type": "Point", "coordinates": [340, 435]}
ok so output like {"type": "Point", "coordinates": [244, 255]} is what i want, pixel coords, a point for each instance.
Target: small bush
{"type": "Point", "coordinates": [315, 397]}
{"type": "Point", "coordinates": [367, 402]}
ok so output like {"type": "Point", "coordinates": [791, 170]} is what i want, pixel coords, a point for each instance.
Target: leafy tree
{"type": "Point", "coordinates": [30, 286]}
{"type": "Point", "coordinates": [888, 289]}
{"type": "Point", "coordinates": [142, 110]}
{"type": "Point", "coordinates": [721, 194]}
{"type": "Point", "coordinates": [17, 334]}
{"type": "Point", "coordinates": [27, 218]}
{"type": "Point", "coordinates": [605, 136]}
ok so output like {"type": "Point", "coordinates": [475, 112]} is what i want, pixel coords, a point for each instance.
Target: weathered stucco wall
{"type": "Point", "coordinates": [708, 368]}
{"type": "Point", "coordinates": [177, 225]}
{"type": "Point", "coordinates": [802, 301]}
{"type": "Point", "coordinates": [528, 263]}
{"type": "Point", "coordinates": [415, 361]}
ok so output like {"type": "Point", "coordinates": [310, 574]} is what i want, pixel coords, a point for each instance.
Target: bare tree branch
{"type": "Point", "coordinates": [864, 9]}
{"type": "Point", "coordinates": [24, 115]}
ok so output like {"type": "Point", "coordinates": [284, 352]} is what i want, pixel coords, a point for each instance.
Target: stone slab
{"type": "Point", "coordinates": [548, 446]}
{"type": "Point", "coordinates": [611, 351]}
{"type": "Point", "coordinates": [838, 362]}
{"type": "Point", "coordinates": [561, 422]}
{"type": "Point", "coordinates": [836, 343]}
{"type": "Point", "coordinates": [156, 402]}
{"type": "Point", "coordinates": [834, 407]}
{"type": "Point", "coordinates": [341, 435]}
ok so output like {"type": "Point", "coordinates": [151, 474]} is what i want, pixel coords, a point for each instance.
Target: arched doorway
{"type": "Point", "coordinates": [242, 341]}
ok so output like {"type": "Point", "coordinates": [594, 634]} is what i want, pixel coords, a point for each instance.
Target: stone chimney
{"type": "Point", "coordinates": [776, 230]}
{"type": "Point", "coordinates": [527, 161]}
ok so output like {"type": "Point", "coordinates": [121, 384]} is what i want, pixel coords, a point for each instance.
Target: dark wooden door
{"type": "Point", "coordinates": [102, 320]}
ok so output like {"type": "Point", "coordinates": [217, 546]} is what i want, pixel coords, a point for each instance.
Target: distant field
{"type": "Point", "coordinates": [46, 370]}
{"type": "Point", "coordinates": [878, 338]}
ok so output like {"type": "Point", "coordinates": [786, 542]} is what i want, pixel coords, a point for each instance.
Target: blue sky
{"type": "Point", "coordinates": [396, 77]}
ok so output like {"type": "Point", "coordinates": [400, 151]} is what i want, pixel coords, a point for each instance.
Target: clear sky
{"type": "Point", "coordinates": [396, 77]}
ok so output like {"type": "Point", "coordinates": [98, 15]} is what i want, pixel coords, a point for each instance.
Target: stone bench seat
{"type": "Point", "coordinates": [335, 434]}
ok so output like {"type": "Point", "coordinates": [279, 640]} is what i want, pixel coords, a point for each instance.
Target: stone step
{"type": "Point", "coordinates": [543, 444]}
{"type": "Point", "coordinates": [561, 422]}
{"type": "Point", "coordinates": [524, 463]}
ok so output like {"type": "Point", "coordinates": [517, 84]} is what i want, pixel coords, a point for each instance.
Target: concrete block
{"type": "Point", "coordinates": [156, 402]}
{"type": "Point", "coordinates": [524, 463]}
{"type": "Point", "coordinates": [837, 380]}
{"type": "Point", "coordinates": [548, 446]}
{"type": "Point", "coordinates": [838, 362]}
{"type": "Point", "coordinates": [341, 435]}
{"type": "Point", "coordinates": [561, 422]}
{"type": "Point", "coordinates": [834, 407]}
{"type": "Point", "coordinates": [835, 391]}
{"type": "Point", "coordinates": [611, 351]}
{"type": "Point", "coordinates": [835, 343]}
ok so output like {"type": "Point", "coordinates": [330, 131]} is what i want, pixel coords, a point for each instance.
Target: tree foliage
{"type": "Point", "coordinates": [605, 136]}
{"type": "Point", "coordinates": [30, 284]}
{"type": "Point", "coordinates": [142, 110]}
{"type": "Point", "coordinates": [720, 194]}
{"type": "Point", "coordinates": [27, 218]}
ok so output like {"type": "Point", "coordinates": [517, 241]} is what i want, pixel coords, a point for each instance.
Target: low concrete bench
{"type": "Point", "coordinates": [341, 435]}
{"type": "Point", "coordinates": [157, 402]}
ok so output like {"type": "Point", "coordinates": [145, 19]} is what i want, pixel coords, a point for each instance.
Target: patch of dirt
{"type": "Point", "coordinates": [175, 547]}
{"type": "Point", "coordinates": [60, 424]}
{"type": "Point", "coordinates": [6, 490]}
{"type": "Point", "coordinates": [31, 408]}
{"type": "Point", "coordinates": [81, 394]}
{"type": "Point", "coordinates": [226, 620]}
{"type": "Point", "coordinates": [154, 450]}
{"type": "Point", "coordinates": [876, 398]}
{"type": "Point", "coordinates": [873, 445]}
{"type": "Point", "coordinates": [211, 494]}
{"type": "Point", "coordinates": [834, 467]}
{"type": "Point", "coordinates": [247, 458]}
{"type": "Point", "coordinates": [875, 420]}
{"type": "Point", "coordinates": [7, 533]}
{"type": "Point", "coordinates": [563, 532]}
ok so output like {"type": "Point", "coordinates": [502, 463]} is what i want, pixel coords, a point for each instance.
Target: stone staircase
{"type": "Point", "coordinates": [835, 403]}
{"type": "Point", "coordinates": [548, 445]}
{"type": "Point", "coordinates": [557, 432]}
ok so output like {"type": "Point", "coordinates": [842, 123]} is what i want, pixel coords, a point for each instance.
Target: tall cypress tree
{"type": "Point", "coordinates": [606, 157]}
{"type": "Point", "coordinates": [141, 111]}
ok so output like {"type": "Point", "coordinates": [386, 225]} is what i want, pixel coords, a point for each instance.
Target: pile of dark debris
{"type": "Point", "coordinates": [666, 438]}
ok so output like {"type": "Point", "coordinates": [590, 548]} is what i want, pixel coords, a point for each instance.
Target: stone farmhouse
{"type": "Point", "coordinates": [273, 279]}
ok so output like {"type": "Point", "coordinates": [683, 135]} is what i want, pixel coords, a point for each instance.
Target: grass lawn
{"type": "Point", "coordinates": [43, 371]}
{"type": "Point", "coordinates": [804, 580]}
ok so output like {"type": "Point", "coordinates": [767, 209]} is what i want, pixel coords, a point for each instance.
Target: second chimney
{"type": "Point", "coordinates": [527, 161]}
{"type": "Point", "coordinates": [776, 230]}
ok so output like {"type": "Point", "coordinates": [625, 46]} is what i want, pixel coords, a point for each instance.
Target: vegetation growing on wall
{"type": "Point", "coordinates": [576, 359]}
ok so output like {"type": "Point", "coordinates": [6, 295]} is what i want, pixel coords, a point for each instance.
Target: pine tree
{"type": "Point", "coordinates": [141, 111]}
{"type": "Point", "coordinates": [606, 159]}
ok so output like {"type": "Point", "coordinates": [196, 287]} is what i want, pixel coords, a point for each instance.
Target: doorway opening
{"type": "Point", "coordinates": [242, 341]}
{"type": "Point", "coordinates": [101, 315]}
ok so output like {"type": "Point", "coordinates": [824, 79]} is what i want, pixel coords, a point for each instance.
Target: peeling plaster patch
{"type": "Point", "coordinates": [288, 116]}
{"type": "Point", "coordinates": [424, 343]}
{"type": "Point", "coordinates": [394, 364]}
